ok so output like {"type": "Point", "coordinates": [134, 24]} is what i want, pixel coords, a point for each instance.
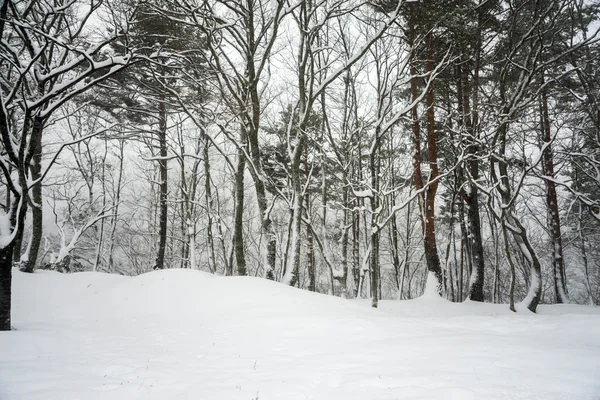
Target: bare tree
{"type": "Point", "coordinates": [44, 66]}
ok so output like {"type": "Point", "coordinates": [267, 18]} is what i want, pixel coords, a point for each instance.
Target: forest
{"type": "Point", "coordinates": [372, 149]}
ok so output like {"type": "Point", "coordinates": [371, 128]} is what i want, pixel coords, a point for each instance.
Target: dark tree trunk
{"type": "Point", "coordinates": [499, 174]}
{"type": "Point", "coordinates": [310, 254]}
{"type": "Point", "coordinates": [163, 187]}
{"type": "Point", "coordinates": [470, 195]}
{"type": "Point", "coordinates": [310, 259]}
{"type": "Point", "coordinates": [395, 248]}
{"type": "Point", "coordinates": [16, 257]}
{"type": "Point", "coordinates": [356, 250]}
{"type": "Point", "coordinates": [297, 212]}
{"type": "Point", "coordinates": [238, 228]}
{"type": "Point", "coordinates": [257, 173]}
{"type": "Point", "coordinates": [36, 197]}
{"type": "Point", "coordinates": [560, 287]}
{"type": "Point", "coordinates": [431, 253]}
{"type": "Point", "coordinates": [511, 291]}
{"type": "Point", "coordinates": [17, 219]}
{"type": "Point", "coordinates": [375, 168]}
{"type": "Point", "coordinates": [5, 287]}
{"type": "Point", "coordinates": [393, 232]}
{"type": "Point", "coordinates": [345, 229]}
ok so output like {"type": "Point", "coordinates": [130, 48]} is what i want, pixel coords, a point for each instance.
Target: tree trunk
{"type": "Point", "coordinates": [310, 259]}
{"type": "Point", "coordinates": [292, 274]}
{"type": "Point", "coordinates": [16, 253]}
{"type": "Point", "coordinates": [116, 202]}
{"type": "Point", "coordinates": [356, 249]}
{"type": "Point", "coordinates": [584, 256]}
{"type": "Point", "coordinates": [499, 173]}
{"type": "Point", "coordinates": [405, 262]}
{"type": "Point", "coordinates": [431, 253]}
{"type": "Point", "coordinates": [511, 292]}
{"type": "Point", "coordinates": [238, 227]}
{"type": "Point", "coordinates": [395, 248]}
{"type": "Point", "coordinates": [227, 261]}
{"type": "Point", "coordinates": [374, 166]}
{"type": "Point", "coordinates": [5, 287]}
{"type": "Point", "coordinates": [427, 196]}
{"type": "Point", "coordinates": [345, 240]}
{"type": "Point", "coordinates": [36, 197]}
{"type": "Point", "coordinates": [310, 254]}
{"type": "Point", "coordinates": [17, 213]}
{"type": "Point", "coordinates": [209, 205]}
{"type": "Point", "coordinates": [393, 231]}
{"type": "Point", "coordinates": [553, 216]}
{"type": "Point", "coordinates": [163, 187]}
{"type": "Point", "coordinates": [100, 235]}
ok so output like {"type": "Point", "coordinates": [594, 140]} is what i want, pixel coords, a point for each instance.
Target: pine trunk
{"type": "Point", "coordinates": [427, 195]}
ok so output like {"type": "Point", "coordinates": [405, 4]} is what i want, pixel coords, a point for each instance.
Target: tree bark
{"type": "Point", "coordinates": [5, 287]}
{"type": "Point", "coordinates": [163, 187]}
{"type": "Point", "coordinates": [499, 173]}
{"type": "Point", "coordinates": [17, 213]}
{"type": "Point", "coordinates": [36, 197]}
{"type": "Point", "coordinates": [100, 235]}
{"type": "Point", "coordinates": [553, 216]}
{"type": "Point", "coordinates": [209, 204]}
{"type": "Point", "coordinates": [427, 195]}
{"type": "Point", "coordinates": [238, 228]}
{"type": "Point", "coordinates": [310, 258]}
{"type": "Point", "coordinates": [116, 203]}
{"type": "Point", "coordinates": [470, 194]}
{"type": "Point", "coordinates": [375, 231]}
{"type": "Point", "coordinates": [356, 248]}
{"type": "Point", "coordinates": [584, 256]}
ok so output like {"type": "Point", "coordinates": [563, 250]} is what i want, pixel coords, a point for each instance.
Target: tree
{"type": "Point", "coordinates": [44, 66]}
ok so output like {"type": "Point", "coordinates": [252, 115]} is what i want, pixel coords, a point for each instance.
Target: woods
{"type": "Point", "coordinates": [356, 149]}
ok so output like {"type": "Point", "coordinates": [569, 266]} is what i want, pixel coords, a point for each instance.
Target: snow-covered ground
{"type": "Point", "coordinates": [183, 334]}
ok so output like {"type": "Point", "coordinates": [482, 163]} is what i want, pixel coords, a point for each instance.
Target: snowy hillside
{"type": "Point", "coordinates": [183, 334]}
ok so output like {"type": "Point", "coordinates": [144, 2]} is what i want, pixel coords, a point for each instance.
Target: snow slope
{"type": "Point", "coordinates": [183, 334]}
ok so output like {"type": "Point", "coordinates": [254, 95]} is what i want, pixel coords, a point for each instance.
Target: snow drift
{"type": "Point", "coordinates": [183, 334]}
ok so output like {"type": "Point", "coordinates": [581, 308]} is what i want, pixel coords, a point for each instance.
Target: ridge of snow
{"type": "Point", "coordinates": [186, 334]}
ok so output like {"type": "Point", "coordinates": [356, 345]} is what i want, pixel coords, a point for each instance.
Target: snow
{"type": "Point", "coordinates": [185, 334]}
{"type": "Point", "coordinates": [362, 193]}
{"type": "Point", "coordinates": [432, 287]}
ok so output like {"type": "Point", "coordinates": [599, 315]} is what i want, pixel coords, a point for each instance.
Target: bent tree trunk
{"type": "Point", "coordinates": [470, 194]}
{"type": "Point", "coordinates": [499, 174]}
